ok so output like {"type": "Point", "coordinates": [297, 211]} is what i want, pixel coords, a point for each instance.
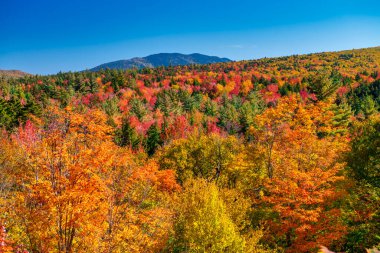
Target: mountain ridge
{"type": "Point", "coordinates": [161, 59]}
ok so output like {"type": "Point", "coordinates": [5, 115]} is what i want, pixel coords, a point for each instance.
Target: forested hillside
{"type": "Point", "coordinates": [269, 155]}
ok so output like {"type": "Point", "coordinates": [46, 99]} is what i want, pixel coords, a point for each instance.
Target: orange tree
{"type": "Point", "coordinates": [73, 190]}
{"type": "Point", "coordinates": [301, 158]}
{"type": "Point", "coordinates": [58, 206]}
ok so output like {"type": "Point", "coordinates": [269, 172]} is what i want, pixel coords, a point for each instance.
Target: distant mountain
{"type": "Point", "coordinates": [163, 59]}
{"type": "Point", "coordinates": [12, 73]}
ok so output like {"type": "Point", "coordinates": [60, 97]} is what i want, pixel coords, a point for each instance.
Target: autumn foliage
{"type": "Point", "coordinates": [272, 155]}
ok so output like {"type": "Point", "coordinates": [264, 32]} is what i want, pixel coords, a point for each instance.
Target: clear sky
{"type": "Point", "coordinates": [48, 36]}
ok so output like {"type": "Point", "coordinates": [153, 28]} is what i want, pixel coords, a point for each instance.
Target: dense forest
{"type": "Point", "coordinates": [269, 155]}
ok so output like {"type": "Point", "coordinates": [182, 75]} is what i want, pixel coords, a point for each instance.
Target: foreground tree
{"type": "Point", "coordinates": [363, 167]}
{"type": "Point", "coordinates": [203, 224]}
{"type": "Point", "coordinates": [71, 189]}
{"type": "Point", "coordinates": [302, 171]}
{"type": "Point", "coordinates": [59, 205]}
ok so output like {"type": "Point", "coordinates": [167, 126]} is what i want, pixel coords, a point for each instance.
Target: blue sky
{"type": "Point", "coordinates": [48, 36]}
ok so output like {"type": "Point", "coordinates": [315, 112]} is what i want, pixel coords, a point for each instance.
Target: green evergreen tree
{"type": "Point", "coordinates": [323, 86]}
{"type": "Point", "coordinates": [342, 117]}
{"type": "Point", "coordinates": [210, 107]}
{"type": "Point", "coordinates": [153, 139]}
{"type": "Point", "coordinates": [127, 136]}
{"type": "Point", "coordinates": [368, 106]}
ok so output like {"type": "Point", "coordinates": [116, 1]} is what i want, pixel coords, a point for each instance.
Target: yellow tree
{"type": "Point", "coordinates": [203, 224]}
{"type": "Point", "coordinates": [207, 156]}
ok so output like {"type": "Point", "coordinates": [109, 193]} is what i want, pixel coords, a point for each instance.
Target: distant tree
{"type": "Point", "coordinates": [153, 139]}
{"type": "Point", "coordinates": [368, 106]}
{"type": "Point", "coordinates": [205, 156]}
{"type": "Point", "coordinates": [322, 85]}
{"type": "Point", "coordinates": [127, 136]}
{"type": "Point", "coordinates": [341, 119]}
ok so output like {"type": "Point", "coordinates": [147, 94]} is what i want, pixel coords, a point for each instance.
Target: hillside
{"type": "Point", "coordinates": [12, 73]}
{"type": "Point", "coordinates": [269, 155]}
{"type": "Point", "coordinates": [163, 59]}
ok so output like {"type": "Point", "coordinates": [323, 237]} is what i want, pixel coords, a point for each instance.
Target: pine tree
{"type": "Point", "coordinates": [341, 118]}
{"type": "Point", "coordinates": [323, 86]}
{"type": "Point", "coordinates": [153, 140]}
{"type": "Point", "coordinates": [127, 136]}
{"type": "Point", "coordinates": [368, 106]}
